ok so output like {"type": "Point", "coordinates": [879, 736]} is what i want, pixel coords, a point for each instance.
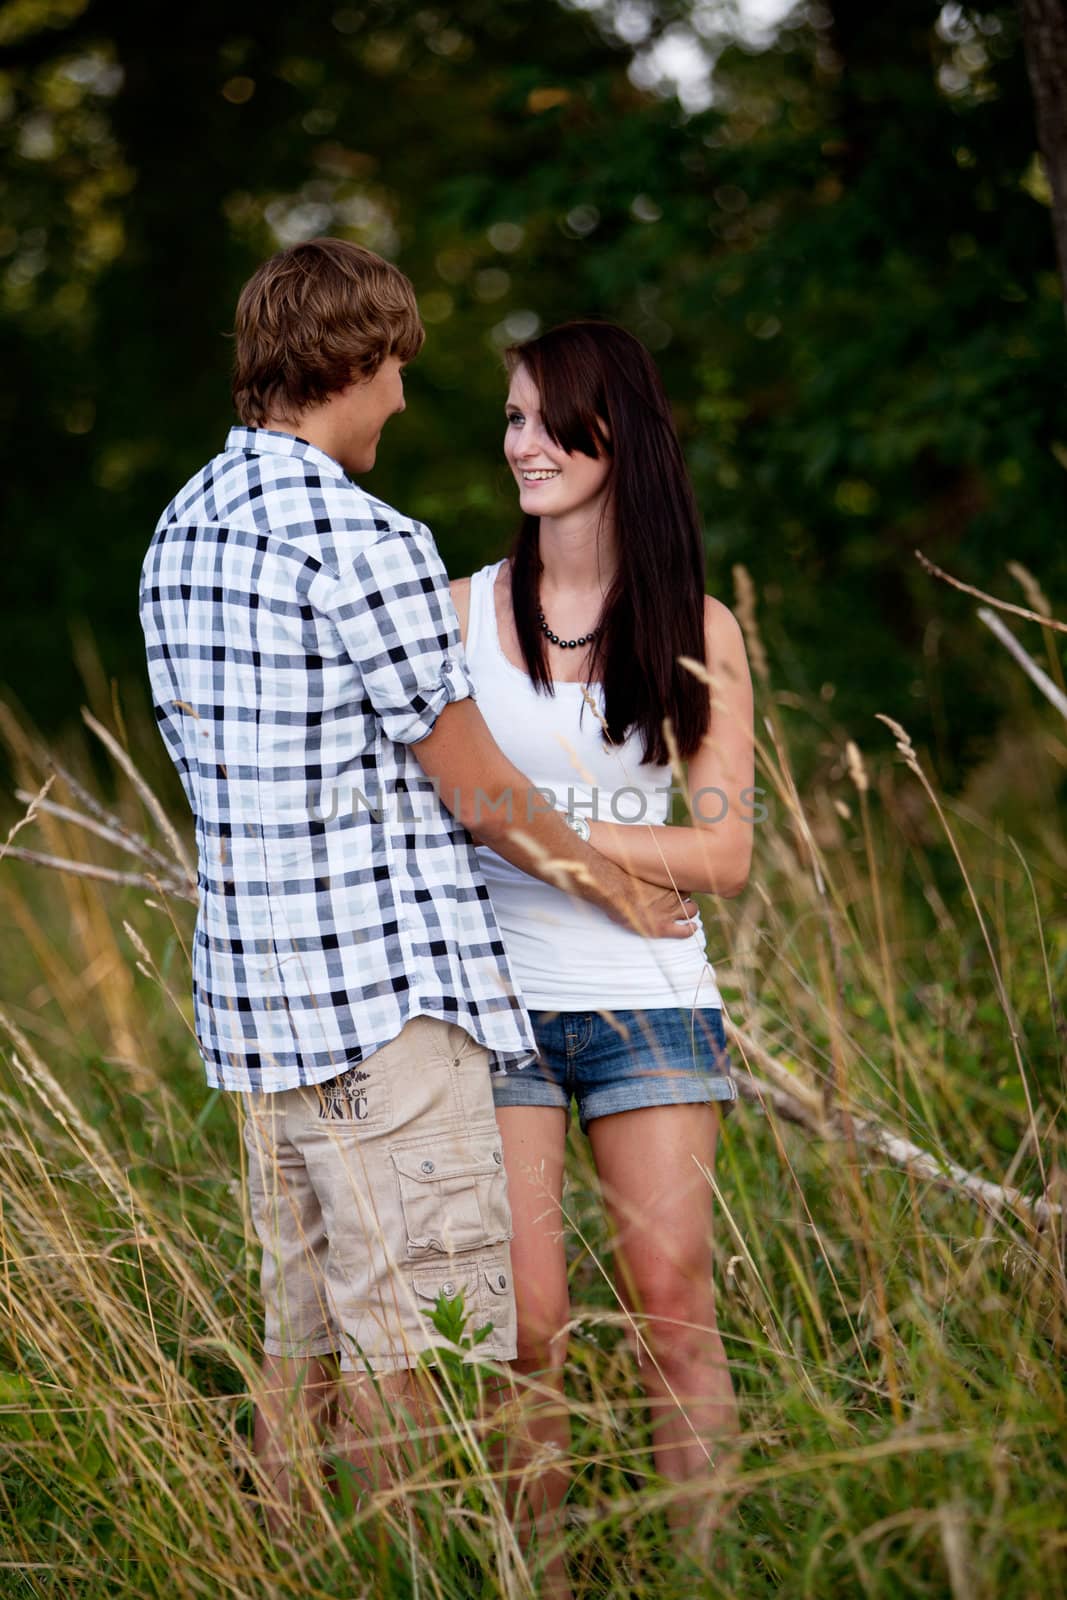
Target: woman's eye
{"type": "Point", "coordinates": [514, 418]}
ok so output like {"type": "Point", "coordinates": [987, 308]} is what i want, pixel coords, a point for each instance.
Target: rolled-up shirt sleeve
{"type": "Point", "coordinates": [393, 611]}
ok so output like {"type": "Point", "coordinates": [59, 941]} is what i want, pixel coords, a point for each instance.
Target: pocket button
{"type": "Point", "coordinates": [498, 1158]}
{"type": "Point", "coordinates": [448, 1289]}
{"type": "Point", "coordinates": [427, 1166]}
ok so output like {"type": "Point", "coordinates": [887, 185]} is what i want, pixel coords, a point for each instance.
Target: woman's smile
{"type": "Point", "coordinates": [536, 460]}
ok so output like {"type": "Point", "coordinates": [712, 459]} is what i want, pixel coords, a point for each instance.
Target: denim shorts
{"type": "Point", "coordinates": [623, 1061]}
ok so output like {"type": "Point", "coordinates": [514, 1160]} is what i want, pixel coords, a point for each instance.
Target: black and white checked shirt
{"type": "Point", "coordinates": [301, 637]}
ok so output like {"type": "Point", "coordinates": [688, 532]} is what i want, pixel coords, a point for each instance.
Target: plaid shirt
{"type": "Point", "coordinates": [300, 638]}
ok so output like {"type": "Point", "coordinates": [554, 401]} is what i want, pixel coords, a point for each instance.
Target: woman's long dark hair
{"type": "Point", "coordinates": [601, 395]}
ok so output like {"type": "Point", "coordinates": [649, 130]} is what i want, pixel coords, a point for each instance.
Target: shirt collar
{"type": "Point", "coordinates": [265, 442]}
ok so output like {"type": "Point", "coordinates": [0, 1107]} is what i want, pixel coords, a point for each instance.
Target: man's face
{"type": "Point", "coordinates": [365, 408]}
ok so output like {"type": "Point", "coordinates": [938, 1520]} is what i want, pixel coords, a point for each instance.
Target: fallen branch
{"type": "Point", "coordinates": [119, 756]}
{"type": "Point", "coordinates": [900, 1151]}
{"type": "Point", "coordinates": [784, 1082]}
{"type": "Point", "coordinates": [111, 831]}
{"type": "Point", "coordinates": [789, 1097]}
{"type": "Point", "coordinates": [91, 804]}
{"type": "Point", "coordinates": [903, 1153]}
{"type": "Point", "coordinates": [88, 869]}
{"type": "Point", "coordinates": [1050, 690]}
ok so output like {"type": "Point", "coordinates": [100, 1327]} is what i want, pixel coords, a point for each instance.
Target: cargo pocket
{"type": "Point", "coordinates": [487, 1299]}
{"type": "Point", "coordinates": [453, 1193]}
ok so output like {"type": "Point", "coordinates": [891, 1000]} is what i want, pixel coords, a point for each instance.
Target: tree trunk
{"type": "Point", "coordinates": [1045, 39]}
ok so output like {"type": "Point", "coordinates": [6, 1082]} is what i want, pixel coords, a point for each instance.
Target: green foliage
{"type": "Point", "coordinates": [845, 266]}
{"type": "Point", "coordinates": [449, 1318]}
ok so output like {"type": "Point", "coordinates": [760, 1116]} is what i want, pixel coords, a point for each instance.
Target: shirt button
{"type": "Point", "coordinates": [447, 667]}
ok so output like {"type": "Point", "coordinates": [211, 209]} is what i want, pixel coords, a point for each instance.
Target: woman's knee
{"type": "Point", "coordinates": [676, 1316]}
{"type": "Point", "coordinates": [542, 1337]}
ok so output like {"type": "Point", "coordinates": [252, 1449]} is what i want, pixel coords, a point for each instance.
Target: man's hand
{"type": "Point", "coordinates": [657, 913]}
{"type": "Point", "coordinates": [497, 803]}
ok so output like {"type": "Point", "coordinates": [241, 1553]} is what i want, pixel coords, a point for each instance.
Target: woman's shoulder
{"type": "Point", "coordinates": [493, 571]}
{"type": "Point", "coordinates": [501, 575]}
{"type": "Point", "coordinates": [461, 599]}
{"type": "Point", "coordinates": [462, 589]}
{"type": "Point", "coordinates": [720, 624]}
{"type": "Point", "coordinates": [724, 643]}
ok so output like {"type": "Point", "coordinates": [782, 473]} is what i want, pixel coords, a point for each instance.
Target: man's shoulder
{"type": "Point", "coordinates": [285, 500]}
{"type": "Point", "coordinates": [388, 520]}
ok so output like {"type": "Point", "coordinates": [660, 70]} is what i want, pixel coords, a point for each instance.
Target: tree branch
{"type": "Point", "coordinates": [900, 1151]}
{"type": "Point", "coordinates": [1050, 690]}
{"type": "Point", "coordinates": [88, 869]}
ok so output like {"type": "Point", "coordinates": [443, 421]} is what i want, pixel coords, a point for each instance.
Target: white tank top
{"type": "Point", "coordinates": [565, 954]}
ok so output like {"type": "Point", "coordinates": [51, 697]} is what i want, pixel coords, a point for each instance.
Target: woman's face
{"type": "Point", "coordinates": [551, 482]}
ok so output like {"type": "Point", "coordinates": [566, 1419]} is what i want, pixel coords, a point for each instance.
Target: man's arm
{"type": "Point", "coordinates": [394, 615]}
{"type": "Point", "coordinates": [492, 798]}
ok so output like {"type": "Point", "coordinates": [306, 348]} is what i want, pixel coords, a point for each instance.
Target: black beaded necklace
{"type": "Point", "coordinates": [564, 644]}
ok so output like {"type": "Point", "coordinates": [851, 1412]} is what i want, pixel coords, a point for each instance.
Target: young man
{"type": "Point", "coordinates": [349, 980]}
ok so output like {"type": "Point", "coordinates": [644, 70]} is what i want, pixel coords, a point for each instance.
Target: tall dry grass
{"type": "Point", "coordinates": [899, 958]}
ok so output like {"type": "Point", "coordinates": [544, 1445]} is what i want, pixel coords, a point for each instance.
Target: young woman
{"type": "Point", "coordinates": [600, 666]}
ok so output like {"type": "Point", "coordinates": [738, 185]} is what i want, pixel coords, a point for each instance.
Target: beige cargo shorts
{"type": "Point", "coordinates": [376, 1192]}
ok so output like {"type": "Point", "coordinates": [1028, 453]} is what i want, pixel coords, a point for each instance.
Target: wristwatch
{"type": "Point", "coordinates": [578, 825]}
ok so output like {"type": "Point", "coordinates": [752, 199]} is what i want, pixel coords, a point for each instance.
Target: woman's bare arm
{"type": "Point", "coordinates": [713, 854]}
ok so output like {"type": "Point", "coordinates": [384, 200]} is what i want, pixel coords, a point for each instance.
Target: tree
{"type": "Point", "coordinates": [844, 266]}
{"type": "Point", "coordinates": [1045, 36]}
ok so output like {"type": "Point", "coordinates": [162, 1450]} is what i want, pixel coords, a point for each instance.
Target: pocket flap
{"type": "Point", "coordinates": [429, 1282]}
{"type": "Point", "coordinates": [435, 1163]}
{"type": "Point", "coordinates": [453, 1191]}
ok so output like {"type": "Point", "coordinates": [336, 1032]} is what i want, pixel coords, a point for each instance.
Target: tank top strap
{"type": "Point", "coordinates": [481, 622]}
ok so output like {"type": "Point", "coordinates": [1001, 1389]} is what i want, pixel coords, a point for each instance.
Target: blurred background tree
{"type": "Point", "coordinates": [832, 226]}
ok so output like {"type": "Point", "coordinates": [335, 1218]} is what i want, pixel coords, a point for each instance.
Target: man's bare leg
{"type": "Point", "coordinates": [377, 1419]}
{"type": "Point", "coordinates": [292, 1413]}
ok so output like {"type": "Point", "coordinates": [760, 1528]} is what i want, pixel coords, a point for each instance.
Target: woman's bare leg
{"type": "Point", "coordinates": [660, 1204]}
{"type": "Point", "coordinates": [537, 1449]}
